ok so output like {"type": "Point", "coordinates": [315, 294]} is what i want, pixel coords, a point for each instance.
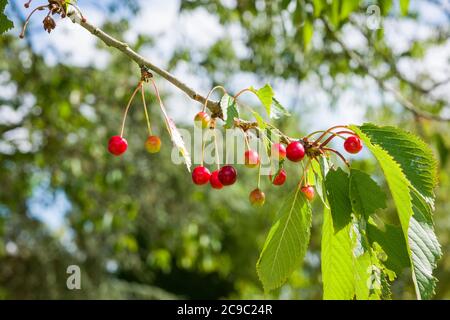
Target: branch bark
{"type": "Point", "coordinates": [110, 41]}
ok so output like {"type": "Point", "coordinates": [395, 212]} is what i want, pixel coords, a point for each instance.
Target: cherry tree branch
{"type": "Point", "coordinates": [110, 41]}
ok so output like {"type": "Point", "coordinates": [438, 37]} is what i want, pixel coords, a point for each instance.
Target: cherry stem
{"type": "Point", "coordinates": [128, 107]}
{"type": "Point", "coordinates": [246, 140]}
{"type": "Point", "coordinates": [241, 92]}
{"type": "Point", "coordinates": [305, 172]}
{"type": "Point", "coordinates": [339, 154]}
{"type": "Point", "coordinates": [334, 135]}
{"type": "Point", "coordinates": [259, 175]}
{"type": "Point", "coordinates": [313, 133]}
{"type": "Point", "coordinates": [149, 126]}
{"type": "Point", "coordinates": [209, 94]}
{"type": "Point", "coordinates": [24, 28]}
{"type": "Point", "coordinates": [328, 131]}
{"type": "Point", "coordinates": [161, 105]}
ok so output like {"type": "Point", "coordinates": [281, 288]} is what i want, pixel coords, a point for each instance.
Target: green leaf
{"type": "Point", "coordinates": [229, 110]}
{"type": "Point", "coordinates": [404, 5]}
{"type": "Point", "coordinates": [392, 241]}
{"type": "Point", "coordinates": [425, 248]}
{"type": "Point", "coordinates": [286, 243]}
{"type": "Point", "coordinates": [308, 31]}
{"type": "Point", "coordinates": [259, 119]}
{"type": "Point", "coordinates": [413, 208]}
{"type": "Point", "coordinates": [265, 95]}
{"type": "Point", "coordinates": [347, 7]}
{"type": "Point", "coordinates": [412, 154]}
{"type": "Point", "coordinates": [337, 189]}
{"type": "Point", "coordinates": [337, 259]}
{"type": "Point", "coordinates": [5, 23]}
{"type": "Point", "coordinates": [365, 194]}
{"type": "Point", "coordinates": [319, 5]}
{"type": "Point", "coordinates": [278, 110]}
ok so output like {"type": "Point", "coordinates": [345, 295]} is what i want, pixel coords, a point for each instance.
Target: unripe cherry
{"type": "Point", "coordinates": [295, 151]}
{"type": "Point", "coordinates": [308, 191]}
{"type": "Point", "coordinates": [280, 178]}
{"type": "Point", "coordinates": [202, 120]}
{"type": "Point", "coordinates": [257, 198]}
{"type": "Point", "coordinates": [200, 175]}
{"type": "Point", "coordinates": [153, 144]}
{"type": "Point", "coordinates": [278, 151]}
{"type": "Point", "coordinates": [117, 145]}
{"type": "Point", "coordinates": [251, 159]}
{"type": "Point", "coordinates": [214, 180]}
{"type": "Point", "coordinates": [353, 144]}
{"type": "Point", "coordinates": [227, 175]}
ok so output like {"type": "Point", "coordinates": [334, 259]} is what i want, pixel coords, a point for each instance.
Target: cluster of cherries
{"type": "Point", "coordinates": [295, 152]}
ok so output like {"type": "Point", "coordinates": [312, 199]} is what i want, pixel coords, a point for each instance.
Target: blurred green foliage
{"type": "Point", "coordinates": [136, 225]}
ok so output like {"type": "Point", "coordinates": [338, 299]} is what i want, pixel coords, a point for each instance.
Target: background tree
{"type": "Point", "coordinates": [135, 225]}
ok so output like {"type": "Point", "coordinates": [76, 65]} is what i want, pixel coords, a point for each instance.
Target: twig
{"type": "Point", "coordinates": [110, 41]}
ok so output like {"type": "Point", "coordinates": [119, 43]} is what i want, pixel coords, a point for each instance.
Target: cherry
{"type": "Point", "coordinates": [214, 180]}
{"type": "Point", "coordinates": [295, 151]}
{"type": "Point", "coordinates": [200, 175]}
{"type": "Point", "coordinates": [353, 144]}
{"type": "Point", "coordinates": [202, 120]}
{"type": "Point", "coordinates": [227, 175]}
{"type": "Point", "coordinates": [278, 151]}
{"type": "Point", "coordinates": [280, 179]}
{"type": "Point", "coordinates": [257, 198]}
{"type": "Point", "coordinates": [251, 158]}
{"type": "Point", "coordinates": [117, 145]}
{"type": "Point", "coordinates": [308, 191]}
{"type": "Point", "coordinates": [153, 144]}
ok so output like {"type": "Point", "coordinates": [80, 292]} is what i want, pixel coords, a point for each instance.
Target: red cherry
{"type": "Point", "coordinates": [200, 175]}
{"type": "Point", "coordinates": [278, 151]}
{"type": "Point", "coordinates": [214, 180]}
{"type": "Point", "coordinates": [153, 144]}
{"type": "Point", "coordinates": [309, 192]}
{"type": "Point", "coordinates": [202, 120]}
{"type": "Point", "coordinates": [227, 175]}
{"type": "Point", "coordinates": [353, 144]}
{"type": "Point", "coordinates": [295, 151]}
{"type": "Point", "coordinates": [280, 179]}
{"type": "Point", "coordinates": [257, 198]}
{"type": "Point", "coordinates": [251, 158]}
{"type": "Point", "coordinates": [117, 145]}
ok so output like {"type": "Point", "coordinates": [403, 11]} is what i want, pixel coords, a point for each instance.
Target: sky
{"type": "Point", "coordinates": [200, 29]}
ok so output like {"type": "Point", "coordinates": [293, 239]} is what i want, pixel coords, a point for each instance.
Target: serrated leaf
{"type": "Point", "coordinates": [392, 241]}
{"type": "Point", "coordinates": [337, 189]}
{"type": "Point", "coordinates": [422, 247]}
{"type": "Point", "coordinates": [425, 249]}
{"type": "Point", "coordinates": [229, 110]}
{"type": "Point", "coordinates": [259, 119]}
{"type": "Point", "coordinates": [337, 260]}
{"type": "Point", "coordinates": [286, 243]}
{"type": "Point", "coordinates": [176, 138]}
{"type": "Point", "coordinates": [278, 110]}
{"type": "Point", "coordinates": [365, 194]}
{"type": "Point", "coordinates": [412, 154]}
{"type": "Point", "coordinates": [265, 95]}
{"type": "Point", "coordinates": [5, 23]}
